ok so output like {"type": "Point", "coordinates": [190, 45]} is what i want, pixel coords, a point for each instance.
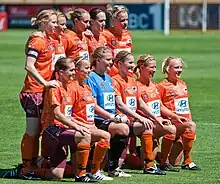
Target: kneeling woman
{"type": "Point", "coordinates": [127, 100]}
{"type": "Point", "coordinates": [59, 129]}
{"type": "Point", "coordinates": [174, 95]}
{"type": "Point", "coordinates": [84, 109]}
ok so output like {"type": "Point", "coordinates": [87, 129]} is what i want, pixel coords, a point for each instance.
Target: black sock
{"type": "Point", "coordinates": [117, 144]}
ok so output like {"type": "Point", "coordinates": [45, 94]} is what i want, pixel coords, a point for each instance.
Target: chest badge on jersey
{"type": "Point", "coordinates": [102, 85]}
{"type": "Point", "coordinates": [173, 93]}
{"type": "Point", "coordinates": [60, 49]}
{"type": "Point", "coordinates": [113, 42]}
{"type": "Point", "coordinates": [185, 90]}
{"type": "Point", "coordinates": [129, 41]}
{"type": "Point", "coordinates": [144, 96]}
{"type": "Point", "coordinates": [134, 88]}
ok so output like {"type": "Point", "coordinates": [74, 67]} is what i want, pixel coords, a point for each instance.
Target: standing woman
{"type": "Point", "coordinates": [39, 52]}
{"type": "Point", "coordinates": [102, 89]}
{"type": "Point", "coordinates": [77, 40]}
{"type": "Point", "coordinates": [59, 129]}
{"type": "Point", "coordinates": [97, 26]}
{"type": "Point", "coordinates": [118, 37]}
{"type": "Point", "coordinates": [174, 95]}
{"type": "Point", "coordinates": [61, 38]}
{"type": "Point", "coordinates": [84, 109]}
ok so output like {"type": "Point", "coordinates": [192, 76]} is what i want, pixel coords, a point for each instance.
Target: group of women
{"type": "Point", "coordinates": [80, 95]}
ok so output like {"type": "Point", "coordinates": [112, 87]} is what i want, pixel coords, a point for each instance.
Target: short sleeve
{"type": "Point", "coordinates": [92, 86]}
{"type": "Point", "coordinates": [54, 96]}
{"type": "Point", "coordinates": [34, 46]}
{"type": "Point", "coordinates": [116, 87]}
{"type": "Point", "coordinates": [161, 90]}
{"type": "Point", "coordinates": [139, 92]}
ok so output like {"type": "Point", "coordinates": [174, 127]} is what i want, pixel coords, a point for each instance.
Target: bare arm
{"type": "Point", "coordinates": [70, 123]}
{"type": "Point", "coordinates": [170, 115]}
{"type": "Point", "coordinates": [102, 112]}
{"type": "Point", "coordinates": [124, 109]}
{"type": "Point", "coordinates": [30, 68]}
{"type": "Point", "coordinates": [144, 107]}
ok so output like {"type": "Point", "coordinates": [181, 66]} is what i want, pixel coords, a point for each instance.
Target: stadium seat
{"type": "Point", "coordinates": [39, 2]}
{"type": "Point", "coordinates": [12, 1]}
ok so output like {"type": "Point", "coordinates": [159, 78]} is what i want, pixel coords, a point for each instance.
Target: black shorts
{"type": "Point", "coordinates": [56, 140]}
{"type": "Point", "coordinates": [103, 125]}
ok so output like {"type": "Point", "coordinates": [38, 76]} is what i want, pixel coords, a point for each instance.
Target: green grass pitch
{"type": "Point", "coordinates": [201, 52]}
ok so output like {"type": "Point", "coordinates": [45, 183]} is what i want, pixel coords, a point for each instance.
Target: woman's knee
{"type": "Point", "coordinates": [119, 129]}
{"type": "Point", "coordinates": [172, 129]}
{"type": "Point", "coordinates": [139, 128]}
{"type": "Point", "coordinates": [106, 136]}
{"type": "Point", "coordinates": [57, 173]}
{"type": "Point", "coordinates": [193, 126]}
{"type": "Point", "coordinates": [82, 138]}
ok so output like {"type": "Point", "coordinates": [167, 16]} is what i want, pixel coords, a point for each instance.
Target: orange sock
{"type": "Point", "coordinates": [188, 140]}
{"type": "Point", "coordinates": [99, 154]}
{"type": "Point", "coordinates": [35, 153]}
{"type": "Point", "coordinates": [147, 146]}
{"type": "Point", "coordinates": [27, 147]}
{"type": "Point", "coordinates": [82, 155]}
{"type": "Point", "coordinates": [167, 144]}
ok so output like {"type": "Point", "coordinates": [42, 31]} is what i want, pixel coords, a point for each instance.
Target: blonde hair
{"type": "Point", "coordinates": [60, 14]}
{"type": "Point", "coordinates": [121, 56]}
{"type": "Point", "coordinates": [166, 63]}
{"type": "Point", "coordinates": [43, 16]}
{"type": "Point", "coordinates": [143, 60]}
{"type": "Point", "coordinates": [116, 9]}
{"type": "Point", "coordinates": [98, 54]}
{"type": "Point", "coordinates": [75, 14]}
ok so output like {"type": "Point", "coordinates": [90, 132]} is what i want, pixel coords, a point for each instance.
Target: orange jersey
{"type": "Point", "coordinates": [113, 71]}
{"type": "Point", "coordinates": [83, 103]}
{"type": "Point", "coordinates": [151, 96]}
{"type": "Point", "coordinates": [56, 97]}
{"type": "Point", "coordinates": [175, 97]}
{"type": "Point", "coordinates": [127, 90]}
{"type": "Point", "coordinates": [43, 50]}
{"type": "Point", "coordinates": [118, 43]}
{"type": "Point", "coordinates": [93, 43]}
{"type": "Point", "coordinates": [60, 48]}
{"type": "Point", "coordinates": [77, 45]}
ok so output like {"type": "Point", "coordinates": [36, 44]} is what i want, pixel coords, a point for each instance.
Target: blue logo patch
{"type": "Point", "coordinates": [92, 109]}
{"type": "Point", "coordinates": [131, 102]}
{"type": "Point", "coordinates": [155, 105]}
{"type": "Point", "coordinates": [182, 103]}
{"type": "Point", "coordinates": [110, 98]}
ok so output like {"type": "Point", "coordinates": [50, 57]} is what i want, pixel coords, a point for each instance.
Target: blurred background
{"type": "Point", "coordinates": [143, 14]}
